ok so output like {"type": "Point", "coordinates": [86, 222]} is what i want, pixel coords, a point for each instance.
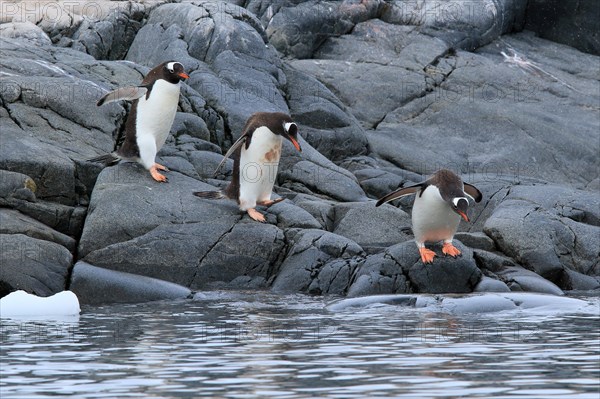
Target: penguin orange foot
{"type": "Point", "coordinates": [427, 255]}
{"type": "Point", "coordinates": [157, 176]}
{"type": "Point", "coordinates": [449, 249]}
{"type": "Point", "coordinates": [270, 202]}
{"type": "Point", "coordinates": [256, 215]}
{"type": "Point", "coordinates": [161, 167]}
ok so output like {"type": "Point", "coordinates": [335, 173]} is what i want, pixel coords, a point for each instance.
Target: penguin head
{"type": "Point", "coordinates": [460, 205]}
{"type": "Point", "coordinates": [174, 72]}
{"type": "Point", "coordinates": [290, 132]}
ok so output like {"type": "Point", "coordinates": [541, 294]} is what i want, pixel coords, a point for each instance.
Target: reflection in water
{"type": "Point", "coordinates": [261, 345]}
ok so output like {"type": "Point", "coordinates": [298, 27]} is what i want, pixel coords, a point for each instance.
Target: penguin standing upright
{"type": "Point", "coordinates": [256, 157]}
{"type": "Point", "coordinates": [440, 203]}
{"type": "Point", "coordinates": [150, 119]}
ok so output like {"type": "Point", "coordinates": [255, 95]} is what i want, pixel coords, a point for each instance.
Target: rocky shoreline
{"type": "Point", "coordinates": [383, 94]}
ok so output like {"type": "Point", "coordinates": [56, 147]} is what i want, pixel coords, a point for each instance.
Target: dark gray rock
{"type": "Point", "coordinates": [190, 124]}
{"type": "Point", "coordinates": [197, 243]}
{"type": "Point", "coordinates": [516, 277]}
{"type": "Point", "coordinates": [379, 274]}
{"type": "Point", "coordinates": [52, 124]}
{"type": "Point", "coordinates": [24, 30]}
{"type": "Point", "coordinates": [492, 104]}
{"type": "Point", "coordinates": [476, 240]}
{"type": "Point", "coordinates": [14, 222]}
{"type": "Point", "coordinates": [465, 25]}
{"type": "Point", "coordinates": [579, 282]}
{"type": "Point", "coordinates": [573, 23]}
{"type": "Point", "coordinates": [110, 36]}
{"type": "Point", "coordinates": [312, 173]}
{"type": "Point", "coordinates": [318, 262]}
{"type": "Point", "coordinates": [17, 191]}
{"type": "Point", "coordinates": [520, 279]}
{"type": "Point", "coordinates": [247, 254]}
{"type": "Point", "coordinates": [377, 182]}
{"type": "Point", "coordinates": [96, 285]}
{"type": "Point", "coordinates": [370, 97]}
{"type": "Point", "coordinates": [322, 211]}
{"type": "Point", "coordinates": [549, 229]}
{"type": "Point", "coordinates": [373, 228]}
{"type": "Point", "coordinates": [298, 31]}
{"type": "Point", "coordinates": [36, 266]}
{"type": "Point", "coordinates": [444, 275]}
{"type": "Point", "coordinates": [290, 215]}
{"type": "Point", "coordinates": [487, 284]}
{"type": "Point", "coordinates": [324, 121]}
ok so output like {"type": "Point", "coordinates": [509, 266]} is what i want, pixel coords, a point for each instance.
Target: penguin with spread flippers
{"type": "Point", "coordinates": [440, 202]}
{"type": "Point", "coordinates": [256, 157]}
{"type": "Point", "coordinates": [150, 119]}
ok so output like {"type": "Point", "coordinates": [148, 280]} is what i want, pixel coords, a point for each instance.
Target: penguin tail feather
{"type": "Point", "coordinates": [106, 159]}
{"type": "Point", "coordinates": [212, 195]}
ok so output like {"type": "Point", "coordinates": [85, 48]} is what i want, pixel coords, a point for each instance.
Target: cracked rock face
{"type": "Point", "coordinates": [383, 92]}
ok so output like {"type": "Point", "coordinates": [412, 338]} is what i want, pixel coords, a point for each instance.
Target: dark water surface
{"type": "Point", "coordinates": [244, 345]}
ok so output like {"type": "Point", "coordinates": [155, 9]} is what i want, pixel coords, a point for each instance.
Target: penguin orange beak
{"type": "Point", "coordinates": [294, 141]}
{"type": "Point", "coordinates": [183, 75]}
{"type": "Point", "coordinates": [463, 215]}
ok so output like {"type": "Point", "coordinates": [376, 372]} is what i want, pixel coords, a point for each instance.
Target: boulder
{"type": "Point", "coordinates": [318, 262]}
{"type": "Point", "coordinates": [14, 222]}
{"type": "Point", "coordinates": [297, 31]}
{"type": "Point", "coordinates": [574, 24]}
{"type": "Point", "coordinates": [444, 275]}
{"type": "Point", "coordinates": [379, 274]}
{"type": "Point", "coordinates": [36, 266]}
{"type": "Point", "coordinates": [96, 285]}
{"type": "Point", "coordinates": [492, 103]}
{"type": "Point", "coordinates": [373, 228]}
{"type": "Point", "coordinates": [549, 229]}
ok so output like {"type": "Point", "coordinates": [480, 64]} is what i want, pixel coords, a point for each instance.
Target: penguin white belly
{"type": "Point", "coordinates": [154, 119]}
{"type": "Point", "coordinates": [258, 167]}
{"type": "Point", "coordinates": [433, 219]}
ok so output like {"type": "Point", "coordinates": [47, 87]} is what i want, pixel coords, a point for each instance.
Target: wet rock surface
{"type": "Point", "coordinates": [384, 93]}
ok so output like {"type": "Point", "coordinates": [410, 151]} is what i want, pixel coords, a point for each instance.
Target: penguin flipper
{"type": "Point", "coordinates": [123, 93]}
{"type": "Point", "coordinates": [473, 192]}
{"type": "Point", "coordinates": [401, 192]}
{"type": "Point", "coordinates": [231, 150]}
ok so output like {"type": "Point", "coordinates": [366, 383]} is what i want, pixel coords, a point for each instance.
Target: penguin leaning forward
{"type": "Point", "coordinates": [256, 157]}
{"type": "Point", "coordinates": [149, 121]}
{"type": "Point", "coordinates": [440, 202]}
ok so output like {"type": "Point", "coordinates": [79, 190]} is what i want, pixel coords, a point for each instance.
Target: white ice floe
{"type": "Point", "coordinates": [22, 304]}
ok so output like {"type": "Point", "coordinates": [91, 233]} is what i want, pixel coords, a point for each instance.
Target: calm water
{"type": "Point", "coordinates": [239, 345]}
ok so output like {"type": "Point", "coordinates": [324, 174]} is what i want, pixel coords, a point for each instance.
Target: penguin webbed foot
{"type": "Point", "coordinates": [427, 255]}
{"type": "Point", "coordinates": [451, 250]}
{"type": "Point", "coordinates": [256, 215]}
{"type": "Point", "coordinates": [161, 167]}
{"type": "Point", "coordinates": [157, 176]}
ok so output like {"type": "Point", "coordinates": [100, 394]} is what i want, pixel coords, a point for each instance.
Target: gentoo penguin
{"type": "Point", "coordinates": [440, 203]}
{"type": "Point", "coordinates": [255, 161]}
{"type": "Point", "coordinates": [150, 119]}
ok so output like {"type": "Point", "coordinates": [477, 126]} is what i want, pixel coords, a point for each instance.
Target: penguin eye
{"type": "Point", "coordinates": [291, 128]}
